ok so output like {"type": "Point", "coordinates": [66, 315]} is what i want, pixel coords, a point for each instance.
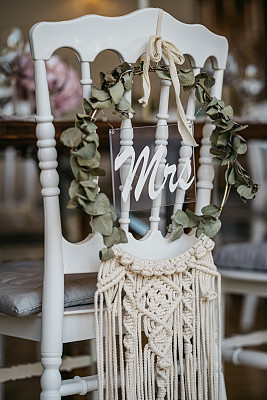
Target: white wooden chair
{"type": "Point", "coordinates": [88, 36]}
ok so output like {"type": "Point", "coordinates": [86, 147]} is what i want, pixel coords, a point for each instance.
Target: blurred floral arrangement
{"type": "Point", "coordinates": [17, 80]}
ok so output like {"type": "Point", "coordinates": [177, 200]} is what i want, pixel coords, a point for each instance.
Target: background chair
{"type": "Point", "coordinates": [67, 313]}
{"type": "Point", "coordinates": [243, 267]}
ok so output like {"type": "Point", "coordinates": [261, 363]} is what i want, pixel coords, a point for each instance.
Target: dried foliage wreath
{"type": "Point", "coordinates": [226, 145]}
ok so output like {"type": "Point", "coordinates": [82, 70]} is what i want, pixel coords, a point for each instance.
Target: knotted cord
{"type": "Point", "coordinates": [156, 49]}
{"type": "Point", "coordinates": [175, 302]}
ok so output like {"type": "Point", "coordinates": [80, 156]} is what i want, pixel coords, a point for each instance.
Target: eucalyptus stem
{"type": "Point", "coordinates": [83, 141]}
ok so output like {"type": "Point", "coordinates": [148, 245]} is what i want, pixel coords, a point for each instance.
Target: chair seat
{"type": "Point", "coordinates": [21, 288]}
{"type": "Point", "coordinates": [242, 256]}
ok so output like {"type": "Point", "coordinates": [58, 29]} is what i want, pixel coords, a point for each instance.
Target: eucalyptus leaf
{"type": "Point", "coordinates": [212, 227]}
{"type": "Point", "coordinates": [97, 171]}
{"type": "Point", "coordinates": [220, 123]}
{"type": "Point", "coordinates": [100, 206]}
{"type": "Point", "coordinates": [83, 174]}
{"type": "Point", "coordinates": [85, 204]}
{"type": "Point", "coordinates": [100, 95]}
{"type": "Point", "coordinates": [87, 106]}
{"type": "Point", "coordinates": [91, 127]}
{"type": "Point", "coordinates": [211, 210]}
{"type": "Point", "coordinates": [110, 78]}
{"type": "Point", "coordinates": [86, 152]}
{"type": "Point", "coordinates": [100, 105]}
{"type": "Point", "coordinates": [200, 229]}
{"type": "Point", "coordinates": [200, 94]}
{"type": "Point", "coordinates": [73, 189]}
{"type": "Point", "coordinates": [212, 111]}
{"type": "Point", "coordinates": [216, 161]}
{"type": "Point", "coordinates": [202, 75]}
{"type": "Point", "coordinates": [240, 127]}
{"type": "Point", "coordinates": [85, 124]}
{"type": "Point", "coordinates": [72, 204]}
{"type": "Point", "coordinates": [221, 103]}
{"type": "Point", "coordinates": [102, 224]}
{"type": "Point", "coordinates": [193, 218]}
{"type": "Point", "coordinates": [169, 228]}
{"type": "Point", "coordinates": [128, 80]}
{"type": "Point", "coordinates": [116, 92]}
{"type": "Point", "coordinates": [89, 184]}
{"type": "Point", "coordinates": [102, 79]}
{"type": "Point", "coordinates": [92, 163]}
{"type": "Point", "coordinates": [242, 148]}
{"type": "Point", "coordinates": [113, 213]}
{"type": "Point", "coordinates": [223, 139]}
{"type": "Point", "coordinates": [181, 218]}
{"type": "Point", "coordinates": [177, 233]}
{"type": "Point", "coordinates": [206, 218]}
{"type": "Point", "coordinates": [80, 116]}
{"type": "Point", "coordinates": [93, 137]}
{"type": "Point", "coordinates": [236, 141]}
{"type": "Point", "coordinates": [228, 111]}
{"type": "Point", "coordinates": [106, 254]}
{"type": "Point", "coordinates": [123, 236]}
{"type": "Point", "coordinates": [124, 105]}
{"type": "Point", "coordinates": [214, 136]}
{"type": "Point", "coordinates": [245, 192]}
{"type": "Point", "coordinates": [91, 193]}
{"type": "Point", "coordinates": [213, 102]}
{"type": "Point", "coordinates": [230, 176]}
{"type": "Point", "coordinates": [217, 152]}
{"type": "Point", "coordinates": [229, 126]}
{"type": "Point", "coordinates": [74, 167]}
{"type": "Point", "coordinates": [112, 239]}
{"type": "Point", "coordinates": [123, 67]}
{"type": "Point", "coordinates": [163, 74]}
{"type": "Point", "coordinates": [71, 137]}
{"type": "Point", "coordinates": [232, 157]}
{"type": "Point", "coordinates": [209, 82]}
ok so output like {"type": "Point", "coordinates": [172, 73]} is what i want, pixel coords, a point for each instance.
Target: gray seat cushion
{"type": "Point", "coordinates": [21, 288]}
{"type": "Point", "coordinates": [249, 256]}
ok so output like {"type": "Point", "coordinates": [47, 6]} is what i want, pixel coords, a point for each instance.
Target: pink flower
{"type": "Point", "coordinates": [63, 83]}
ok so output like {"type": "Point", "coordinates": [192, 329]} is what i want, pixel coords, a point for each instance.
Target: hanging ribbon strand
{"type": "Point", "coordinates": [156, 49]}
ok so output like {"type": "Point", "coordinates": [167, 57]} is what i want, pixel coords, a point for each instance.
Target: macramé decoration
{"type": "Point", "coordinates": [167, 317]}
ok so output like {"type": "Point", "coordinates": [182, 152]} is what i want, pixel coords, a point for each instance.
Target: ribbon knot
{"type": "Point", "coordinates": [157, 49]}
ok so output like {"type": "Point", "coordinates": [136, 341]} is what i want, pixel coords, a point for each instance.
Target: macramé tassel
{"type": "Point", "coordinates": [161, 326]}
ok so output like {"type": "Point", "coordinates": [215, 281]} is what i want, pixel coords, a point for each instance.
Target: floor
{"type": "Point", "coordinates": [243, 383]}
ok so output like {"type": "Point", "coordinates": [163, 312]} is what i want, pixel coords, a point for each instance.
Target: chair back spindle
{"type": "Point", "coordinates": [185, 151]}
{"type": "Point", "coordinates": [205, 173]}
{"type": "Point", "coordinates": [86, 80]}
{"type": "Point", "coordinates": [161, 139]}
{"type": "Point", "coordinates": [126, 140]}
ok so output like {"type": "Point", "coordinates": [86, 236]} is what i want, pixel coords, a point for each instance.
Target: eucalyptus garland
{"type": "Point", "coordinates": [226, 145]}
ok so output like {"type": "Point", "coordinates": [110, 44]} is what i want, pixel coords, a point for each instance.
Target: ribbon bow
{"type": "Point", "coordinates": [156, 49]}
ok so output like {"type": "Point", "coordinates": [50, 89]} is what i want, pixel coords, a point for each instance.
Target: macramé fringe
{"type": "Point", "coordinates": [158, 327]}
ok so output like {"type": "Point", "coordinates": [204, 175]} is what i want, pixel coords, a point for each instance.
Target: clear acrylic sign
{"type": "Point", "coordinates": [147, 171]}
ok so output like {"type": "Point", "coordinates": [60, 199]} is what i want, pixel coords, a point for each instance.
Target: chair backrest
{"type": "Point", "coordinates": [88, 36]}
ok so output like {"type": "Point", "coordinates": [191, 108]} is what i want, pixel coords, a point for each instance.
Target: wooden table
{"type": "Point", "coordinates": [22, 132]}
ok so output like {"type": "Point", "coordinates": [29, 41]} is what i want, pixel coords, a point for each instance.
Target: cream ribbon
{"type": "Point", "coordinates": [157, 47]}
